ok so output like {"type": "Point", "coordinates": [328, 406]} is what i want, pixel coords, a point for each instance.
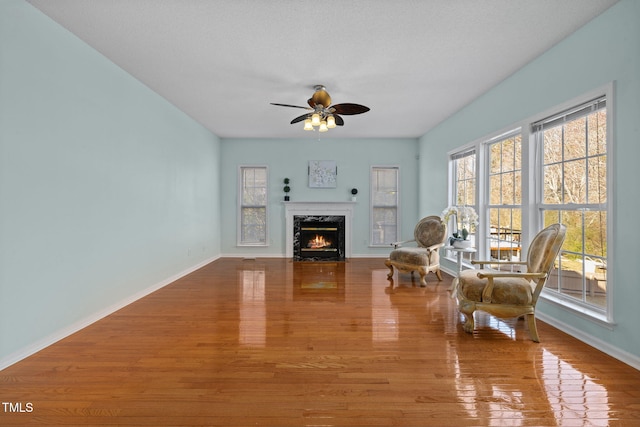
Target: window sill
{"type": "Point", "coordinates": [579, 310]}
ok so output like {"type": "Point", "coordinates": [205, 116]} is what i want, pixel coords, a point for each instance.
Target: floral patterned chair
{"type": "Point", "coordinates": [507, 294]}
{"type": "Point", "coordinates": [429, 235]}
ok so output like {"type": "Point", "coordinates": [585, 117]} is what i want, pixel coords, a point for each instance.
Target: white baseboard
{"type": "Point", "coordinates": [605, 347]}
{"type": "Point", "coordinates": [381, 256]}
{"type": "Point", "coordinates": [252, 256]}
{"type": "Point", "coordinates": [34, 347]}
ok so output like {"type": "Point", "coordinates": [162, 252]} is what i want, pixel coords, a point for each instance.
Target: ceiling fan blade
{"type": "Point", "coordinates": [339, 120]}
{"type": "Point", "coordinates": [289, 105]}
{"type": "Point", "coordinates": [311, 103]}
{"type": "Point", "coordinates": [299, 118]}
{"type": "Point", "coordinates": [349, 109]}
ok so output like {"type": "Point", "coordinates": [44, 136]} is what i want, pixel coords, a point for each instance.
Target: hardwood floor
{"type": "Point", "coordinates": [272, 342]}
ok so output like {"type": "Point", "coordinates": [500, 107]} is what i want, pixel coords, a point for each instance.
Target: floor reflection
{"type": "Point", "coordinates": [486, 392]}
{"type": "Point", "coordinates": [524, 382]}
{"type": "Point", "coordinates": [384, 316]}
{"type": "Point", "coordinates": [253, 313]}
{"type": "Point", "coordinates": [573, 394]}
{"type": "Point", "coordinates": [323, 281]}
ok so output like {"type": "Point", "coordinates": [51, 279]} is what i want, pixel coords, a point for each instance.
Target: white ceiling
{"type": "Point", "coordinates": [413, 62]}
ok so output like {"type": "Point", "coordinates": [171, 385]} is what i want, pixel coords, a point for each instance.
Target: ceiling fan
{"type": "Point", "coordinates": [321, 113]}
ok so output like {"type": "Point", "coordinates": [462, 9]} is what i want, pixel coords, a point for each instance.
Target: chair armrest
{"type": "Point", "coordinates": [397, 245]}
{"type": "Point", "coordinates": [498, 262]}
{"type": "Point", "coordinates": [487, 274]}
{"type": "Point", "coordinates": [435, 247]}
{"type": "Point", "coordinates": [488, 290]}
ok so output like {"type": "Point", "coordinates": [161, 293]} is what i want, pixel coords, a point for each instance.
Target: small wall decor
{"type": "Point", "coordinates": [323, 174]}
{"type": "Point", "coordinates": [286, 189]}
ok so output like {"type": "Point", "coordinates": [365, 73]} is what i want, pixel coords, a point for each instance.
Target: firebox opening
{"type": "Point", "coordinates": [319, 238]}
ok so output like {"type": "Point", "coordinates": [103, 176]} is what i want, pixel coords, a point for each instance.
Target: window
{"type": "Point", "coordinates": [573, 190]}
{"type": "Point", "coordinates": [252, 228]}
{"type": "Point", "coordinates": [551, 168]}
{"type": "Point", "coordinates": [384, 205]}
{"type": "Point", "coordinates": [464, 178]}
{"type": "Point", "coordinates": [504, 204]}
{"type": "Point", "coordinates": [463, 191]}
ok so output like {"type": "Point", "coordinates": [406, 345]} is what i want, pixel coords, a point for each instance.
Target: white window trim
{"type": "Point", "coordinates": [476, 146]}
{"type": "Point", "coordinates": [239, 243]}
{"type": "Point", "coordinates": [483, 182]}
{"type": "Point", "coordinates": [608, 91]}
{"type": "Point", "coordinates": [398, 204]}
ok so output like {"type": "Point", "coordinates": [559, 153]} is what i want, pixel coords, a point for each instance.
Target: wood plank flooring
{"type": "Point", "coordinates": [271, 342]}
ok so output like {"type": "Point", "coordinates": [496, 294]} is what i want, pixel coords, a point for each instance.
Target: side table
{"type": "Point", "coordinates": [459, 252]}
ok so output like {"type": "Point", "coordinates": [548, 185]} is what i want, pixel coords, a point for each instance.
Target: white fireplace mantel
{"type": "Point", "coordinates": [292, 209]}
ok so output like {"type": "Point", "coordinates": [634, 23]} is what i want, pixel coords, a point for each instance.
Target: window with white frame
{"type": "Point", "coordinates": [464, 178]}
{"type": "Point", "coordinates": [504, 196]}
{"type": "Point", "coordinates": [570, 178]}
{"type": "Point", "coordinates": [252, 206]}
{"type": "Point", "coordinates": [463, 186]}
{"type": "Point", "coordinates": [463, 195]}
{"type": "Point", "coordinates": [384, 205]}
{"type": "Point", "coordinates": [572, 190]}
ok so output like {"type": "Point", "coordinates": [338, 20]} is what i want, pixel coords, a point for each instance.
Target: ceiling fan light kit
{"type": "Point", "coordinates": [322, 115]}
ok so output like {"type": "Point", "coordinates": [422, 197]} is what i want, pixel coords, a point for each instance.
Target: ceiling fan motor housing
{"type": "Point", "coordinates": [320, 96]}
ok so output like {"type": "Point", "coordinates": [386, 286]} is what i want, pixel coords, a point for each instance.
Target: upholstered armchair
{"type": "Point", "coordinates": [429, 236]}
{"type": "Point", "coordinates": [506, 294]}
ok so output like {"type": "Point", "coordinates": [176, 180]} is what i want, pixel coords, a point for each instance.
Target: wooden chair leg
{"type": "Point", "coordinates": [423, 279]}
{"type": "Point", "coordinates": [533, 330]}
{"type": "Point", "coordinates": [469, 324]}
{"type": "Point", "coordinates": [467, 308]}
{"type": "Point", "coordinates": [388, 264]}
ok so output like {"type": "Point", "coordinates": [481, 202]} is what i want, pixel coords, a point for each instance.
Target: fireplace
{"type": "Point", "coordinates": [295, 212]}
{"type": "Point", "coordinates": [318, 237]}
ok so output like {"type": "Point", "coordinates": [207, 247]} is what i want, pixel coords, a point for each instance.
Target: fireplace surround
{"type": "Point", "coordinates": [329, 215]}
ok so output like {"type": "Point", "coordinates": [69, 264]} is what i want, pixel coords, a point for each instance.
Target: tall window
{"type": "Point", "coordinates": [384, 205]}
{"type": "Point", "coordinates": [573, 191]}
{"type": "Point", "coordinates": [463, 190]}
{"type": "Point", "coordinates": [464, 184]}
{"type": "Point", "coordinates": [504, 205]}
{"type": "Point", "coordinates": [464, 178]}
{"type": "Point", "coordinates": [252, 228]}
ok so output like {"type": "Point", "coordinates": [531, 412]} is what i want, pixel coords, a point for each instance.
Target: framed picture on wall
{"type": "Point", "coordinates": [323, 174]}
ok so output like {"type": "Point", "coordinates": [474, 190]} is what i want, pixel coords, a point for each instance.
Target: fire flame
{"type": "Point", "coordinates": [318, 242]}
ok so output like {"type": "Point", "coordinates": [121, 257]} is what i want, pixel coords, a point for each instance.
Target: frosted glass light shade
{"type": "Point", "coordinates": [308, 125]}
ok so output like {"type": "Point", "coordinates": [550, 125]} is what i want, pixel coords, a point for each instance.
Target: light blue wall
{"type": "Point", "coordinates": [289, 158]}
{"type": "Point", "coordinates": [105, 188]}
{"type": "Point", "coordinates": [605, 50]}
